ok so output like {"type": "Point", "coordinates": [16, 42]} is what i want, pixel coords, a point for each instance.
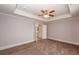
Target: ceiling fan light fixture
{"type": "Point", "coordinates": [47, 13]}
{"type": "Point", "coordinates": [46, 16]}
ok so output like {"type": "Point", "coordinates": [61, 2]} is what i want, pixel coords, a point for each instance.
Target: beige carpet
{"type": "Point", "coordinates": [43, 47]}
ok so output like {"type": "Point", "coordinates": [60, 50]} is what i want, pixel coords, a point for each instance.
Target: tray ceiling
{"type": "Point", "coordinates": [33, 10]}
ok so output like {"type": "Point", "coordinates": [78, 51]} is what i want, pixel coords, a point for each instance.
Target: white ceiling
{"type": "Point", "coordinates": [7, 8]}
{"type": "Point", "coordinates": [74, 10]}
{"type": "Point", "coordinates": [33, 10]}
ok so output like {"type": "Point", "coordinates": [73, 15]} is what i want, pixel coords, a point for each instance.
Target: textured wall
{"type": "Point", "coordinates": [64, 30]}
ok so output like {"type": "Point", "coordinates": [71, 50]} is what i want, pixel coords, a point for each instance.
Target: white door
{"type": "Point", "coordinates": [41, 31]}
{"type": "Point", "coordinates": [44, 31]}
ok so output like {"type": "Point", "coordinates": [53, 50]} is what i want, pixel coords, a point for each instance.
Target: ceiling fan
{"type": "Point", "coordinates": [47, 13]}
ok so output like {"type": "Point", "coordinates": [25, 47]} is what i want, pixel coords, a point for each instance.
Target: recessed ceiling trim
{"type": "Point", "coordinates": [20, 12]}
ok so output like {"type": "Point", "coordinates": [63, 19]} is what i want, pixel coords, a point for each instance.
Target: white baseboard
{"type": "Point", "coordinates": [52, 38]}
{"type": "Point", "coordinates": [14, 45]}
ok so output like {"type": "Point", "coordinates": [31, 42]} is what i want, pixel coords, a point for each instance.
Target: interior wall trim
{"type": "Point", "coordinates": [65, 41]}
{"type": "Point", "coordinates": [14, 45]}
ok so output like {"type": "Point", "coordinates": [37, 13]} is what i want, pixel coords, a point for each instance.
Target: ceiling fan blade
{"type": "Point", "coordinates": [46, 10]}
{"type": "Point", "coordinates": [43, 11]}
{"type": "Point", "coordinates": [51, 15]}
{"type": "Point", "coordinates": [52, 11]}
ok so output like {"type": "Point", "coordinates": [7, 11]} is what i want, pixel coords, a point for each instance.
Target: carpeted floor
{"type": "Point", "coordinates": [43, 47]}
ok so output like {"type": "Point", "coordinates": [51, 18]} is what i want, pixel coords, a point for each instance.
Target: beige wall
{"type": "Point", "coordinates": [66, 30]}
{"type": "Point", "coordinates": [15, 30]}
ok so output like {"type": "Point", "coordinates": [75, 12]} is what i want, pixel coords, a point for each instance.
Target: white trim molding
{"type": "Point", "coordinates": [14, 45]}
{"type": "Point", "coordinates": [66, 41]}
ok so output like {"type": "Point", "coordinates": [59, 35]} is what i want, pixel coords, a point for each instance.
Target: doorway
{"type": "Point", "coordinates": [40, 31]}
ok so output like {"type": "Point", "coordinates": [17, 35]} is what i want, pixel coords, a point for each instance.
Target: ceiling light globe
{"type": "Point", "coordinates": [46, 16]}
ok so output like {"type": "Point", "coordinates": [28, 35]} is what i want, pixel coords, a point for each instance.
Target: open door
{"type": "Point", "coordinates": [41, 31]}
{"type": "Point", "coordinates": [44, 31]}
